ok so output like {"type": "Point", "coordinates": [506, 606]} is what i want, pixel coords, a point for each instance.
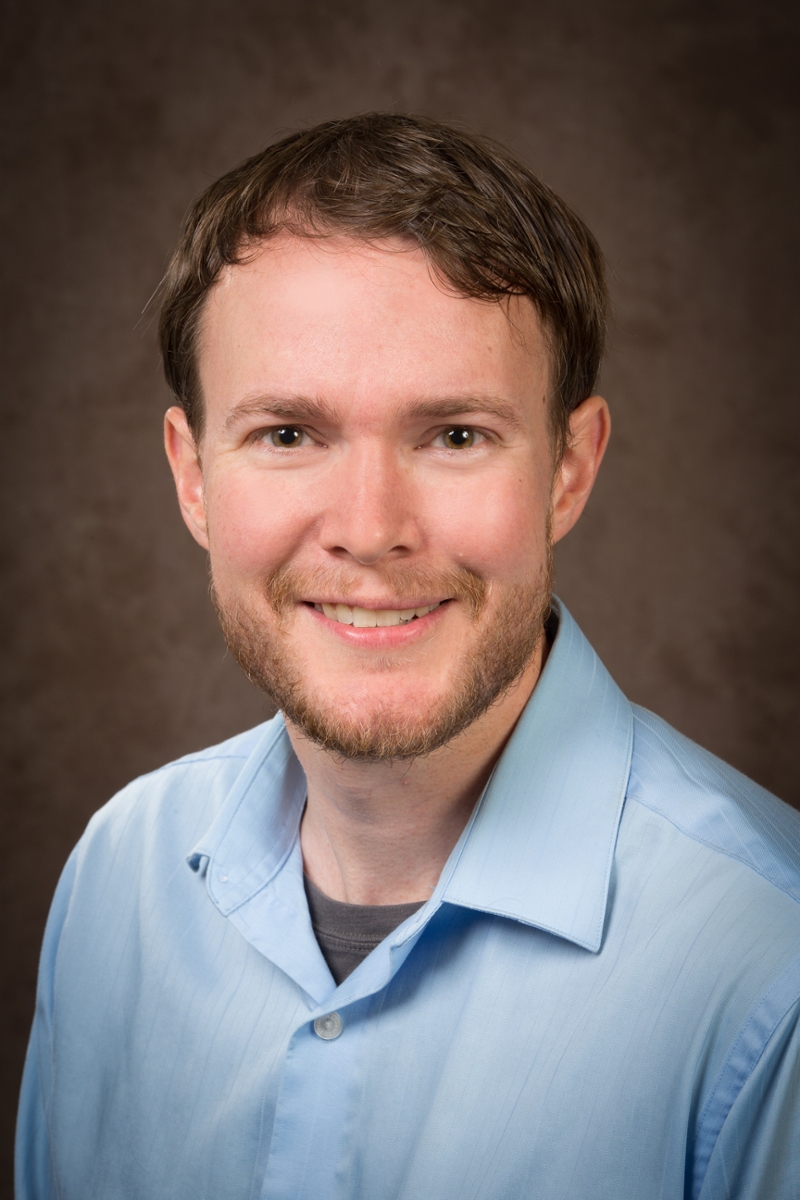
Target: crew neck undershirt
{"type": "Point", "coordinates": [347, 933]}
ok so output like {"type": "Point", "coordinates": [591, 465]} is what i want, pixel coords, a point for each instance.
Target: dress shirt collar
{"type": "Point", "coordinates": [540, 843]}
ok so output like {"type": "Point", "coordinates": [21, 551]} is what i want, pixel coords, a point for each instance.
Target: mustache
{"type": "Point", "coordinates": [286, 586]}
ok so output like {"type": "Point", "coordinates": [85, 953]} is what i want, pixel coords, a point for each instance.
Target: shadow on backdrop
{"type": "Point", "coordinates": [671, 128]}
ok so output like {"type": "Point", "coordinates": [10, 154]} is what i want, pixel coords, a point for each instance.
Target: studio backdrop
{"type": "Point", "coordinates": [670, 126]}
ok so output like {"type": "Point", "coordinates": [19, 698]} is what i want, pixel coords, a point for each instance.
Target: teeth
{"type": "Point", "coordinates": [369, 618]}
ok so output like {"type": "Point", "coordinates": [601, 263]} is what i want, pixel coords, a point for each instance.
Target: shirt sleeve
{"type": "Point", "coordinates": [34, 1169]}
{"type": "Point", "coordinates": [757, 1153]}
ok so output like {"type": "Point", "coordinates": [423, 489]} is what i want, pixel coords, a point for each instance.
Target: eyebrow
{"type": "Point", "coordinates": [307, 409]}
{"type": "Point", "coordinates": [446, 408]}
{"type": "Point", "coordinates": [299, 409]}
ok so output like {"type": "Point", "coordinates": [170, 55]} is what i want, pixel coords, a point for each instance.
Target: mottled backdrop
{"type": "Point", "coordinates": [670, 125]}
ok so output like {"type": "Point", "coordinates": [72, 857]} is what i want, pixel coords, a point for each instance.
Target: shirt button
{"type": "Point", "coordinates": [328, 1027]}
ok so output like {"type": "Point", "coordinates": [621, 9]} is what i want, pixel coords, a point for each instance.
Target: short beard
{"type": "Point", "coordinates": [506, 647]}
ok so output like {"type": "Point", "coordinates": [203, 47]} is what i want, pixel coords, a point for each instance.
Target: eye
{"type": "Point", "coordinates": [460, 437]}
{"type": "Point", "coordinates": [287, 436]}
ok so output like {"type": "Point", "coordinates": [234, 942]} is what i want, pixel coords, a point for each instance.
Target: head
{"type": "Point", "coordinates": [383, 337]}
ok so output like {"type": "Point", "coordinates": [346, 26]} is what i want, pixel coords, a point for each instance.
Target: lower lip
{"type": "Point", "coordinates": [380, 638]}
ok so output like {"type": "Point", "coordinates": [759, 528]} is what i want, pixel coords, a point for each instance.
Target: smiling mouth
{"type": "Point", "coordinates": [370, 618]}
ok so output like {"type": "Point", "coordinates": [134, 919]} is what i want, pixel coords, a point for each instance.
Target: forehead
{"type": "Point", "coordinates": [362, 323]}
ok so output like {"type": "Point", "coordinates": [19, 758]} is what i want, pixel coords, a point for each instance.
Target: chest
{"type": "Point", "coordinates": [497, 1062]}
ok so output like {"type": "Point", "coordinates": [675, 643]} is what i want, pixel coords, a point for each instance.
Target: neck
{"type": "Point", "coordinates": [380, 833]}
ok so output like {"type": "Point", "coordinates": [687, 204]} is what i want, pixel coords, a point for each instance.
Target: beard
{"type": "Point", "coordinates": [505, 642]}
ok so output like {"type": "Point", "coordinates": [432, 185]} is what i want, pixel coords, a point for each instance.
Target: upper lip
{"type": "Point", "coordinates": [381, 605]}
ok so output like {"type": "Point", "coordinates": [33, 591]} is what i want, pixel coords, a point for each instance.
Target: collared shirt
{"type": "Point", "coordinates": [599, 1001]}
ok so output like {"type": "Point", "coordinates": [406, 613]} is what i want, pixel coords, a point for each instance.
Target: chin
{"type": "Point", "coordinates": [413, 722]}
{"type": "Point", "coordinates": [374, 737]}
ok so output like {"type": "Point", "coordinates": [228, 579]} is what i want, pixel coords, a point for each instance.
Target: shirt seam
{"type": "Point", "coordinates": [728, 1068]}
{"type": "Point", "coordinates": [696, 837]}
{"type": "Point", "coordinates": [199, 758]}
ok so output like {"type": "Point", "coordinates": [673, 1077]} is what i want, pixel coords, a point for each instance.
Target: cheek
{"type": "Point", "coordinates": [254, 524]}
{"type": "Point", "coordinates": [498, 529]}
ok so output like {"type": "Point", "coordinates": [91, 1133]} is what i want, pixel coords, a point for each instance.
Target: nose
{"type": "Point", "coordinates": [371, 514]}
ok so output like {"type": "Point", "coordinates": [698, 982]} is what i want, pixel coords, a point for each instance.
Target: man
{"type": "Point", "coordinates": [462, 921]}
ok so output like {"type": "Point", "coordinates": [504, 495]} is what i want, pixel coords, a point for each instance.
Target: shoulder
{"type": "Point", "coordinates": [712, 805]}
{"type": "Point", "coordinates": [708, 880]}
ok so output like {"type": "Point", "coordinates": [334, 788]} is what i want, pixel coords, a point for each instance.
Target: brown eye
{"type": "Point", "coordinates": [459, 438]}
{"type": "Point", "coordinates": [286, 436]}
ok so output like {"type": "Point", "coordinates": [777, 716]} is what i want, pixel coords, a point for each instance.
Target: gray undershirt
{"type": "Point", "coordinates": [347, 933]}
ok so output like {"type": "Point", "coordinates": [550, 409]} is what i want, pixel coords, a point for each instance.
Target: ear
{"type": "Point", "coordinates": [589, 429]}
{"type": "Point", "coordinates": [187, 472]}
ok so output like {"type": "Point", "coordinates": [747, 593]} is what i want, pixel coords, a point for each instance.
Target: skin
{"type": "Point", "coordinates": [374, 361]}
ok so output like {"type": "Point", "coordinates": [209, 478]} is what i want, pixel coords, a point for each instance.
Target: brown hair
{"type": "Point", "coordinates": [488, 226]}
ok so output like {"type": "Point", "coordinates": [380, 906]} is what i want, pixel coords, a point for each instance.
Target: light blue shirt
{"type": "Point", "coordinates": [599, 1001]}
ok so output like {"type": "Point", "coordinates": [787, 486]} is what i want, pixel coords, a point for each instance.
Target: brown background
{"type": "Point", "coordinates": [672, 127]}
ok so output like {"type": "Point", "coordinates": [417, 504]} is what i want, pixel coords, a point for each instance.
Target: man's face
{"type": "Point", "coordinates": [374, 487]}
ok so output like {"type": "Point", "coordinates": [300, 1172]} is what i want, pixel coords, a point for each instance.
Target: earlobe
{"type": "Point", "coordinates": [187, 472]}
{"type": "Point", "coordinates": [589, 430]}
